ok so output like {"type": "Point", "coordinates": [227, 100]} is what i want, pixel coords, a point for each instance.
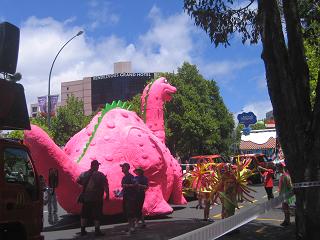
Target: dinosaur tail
{"type": "Point", "coordinates": [46, 154]}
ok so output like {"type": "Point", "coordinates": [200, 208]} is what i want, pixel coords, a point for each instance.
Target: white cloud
{"type": "Point", "coordinates": [164, 47]}
{"type": "Point", "coordinates": [258, 108]}
{"type": "Point", "coordinates": [261, 81]}
{"type": "Point", "coordinates": [220, 68]}
{"type": "Point", "coordinates": [100, 13]}
{"type": "Point", "coordinates": [41, 39]}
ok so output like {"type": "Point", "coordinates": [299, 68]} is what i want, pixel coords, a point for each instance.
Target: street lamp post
{"type": "Point", "coordinates": [49, 100]}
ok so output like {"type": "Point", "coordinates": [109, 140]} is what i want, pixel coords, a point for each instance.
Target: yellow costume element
{"type": "Point", "coordinates": [222, 181]}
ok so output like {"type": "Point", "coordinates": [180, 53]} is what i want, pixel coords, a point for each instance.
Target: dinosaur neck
{"type": "Point", "coordinates": [154, 116]}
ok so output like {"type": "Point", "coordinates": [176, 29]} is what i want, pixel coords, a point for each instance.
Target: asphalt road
{"type": "Point", "coordinates": [182, 220]}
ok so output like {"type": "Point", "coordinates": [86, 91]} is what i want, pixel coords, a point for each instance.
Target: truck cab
{"type": "Point", "coordinates": [21, 201]}
{"type": "Point", "coordinates": [21, 211]}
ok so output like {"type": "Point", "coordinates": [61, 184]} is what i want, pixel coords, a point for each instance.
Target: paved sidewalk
{"type": "Point", "coordinates": [266, 227]}
{"type": "Point", "coordinates": [184, 219]}
{"type": "Point", "coordinates": [263, 228]}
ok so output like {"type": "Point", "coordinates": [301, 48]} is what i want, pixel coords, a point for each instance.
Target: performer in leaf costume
{"type": "Point", "coordinates": [221, 183]}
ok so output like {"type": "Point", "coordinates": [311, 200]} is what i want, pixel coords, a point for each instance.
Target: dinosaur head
{"type": "Point", "coordinates": [166, 90]}
{"type": "Point", "coordinates": [156, 94]}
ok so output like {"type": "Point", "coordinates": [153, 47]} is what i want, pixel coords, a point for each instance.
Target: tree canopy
{"type": "Point", "coordinates": [39, 121]}
{"type": "Point", "coordinates": [196, 119]}
{"type": "Point", "coordinates": [288, 77]}
{"type": "Point", "coordinates": [69, 120]}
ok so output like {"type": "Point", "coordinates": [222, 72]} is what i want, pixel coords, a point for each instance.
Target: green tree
{"type": "Point", "coordinates": [18, 134]}
{"type": "Point", "coordinates": [69, 120]}
{"type": "Point", "coordinates": [135, 103]}
{"type": "Point", "coordinates": [259, 125]}
{"type": "Point", "coordinates": [287, 73]}
{"type": "Point", "coordinates": [197, 116]}
{"type": "Point", "coordinates": [309, 11]}
{"type": "Point", "coordinates": [313, 57]}
{"type": "Point", "coordinates": [39, 121]}
{"type": "Point", "coordinates": [196, 119]}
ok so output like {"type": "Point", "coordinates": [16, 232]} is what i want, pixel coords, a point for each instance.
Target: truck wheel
{"type": "Point", "coordinates": [12, 231]}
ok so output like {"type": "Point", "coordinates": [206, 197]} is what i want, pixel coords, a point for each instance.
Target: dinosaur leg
{"type": "Point", "coordinates": [177, 196]}
{"type": "Point", "coordinates": [154, 203]}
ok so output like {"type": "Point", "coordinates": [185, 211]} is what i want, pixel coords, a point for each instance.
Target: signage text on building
{"type": "Point", "coordinates": [114, 75]}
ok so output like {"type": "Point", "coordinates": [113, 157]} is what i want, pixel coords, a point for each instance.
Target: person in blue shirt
{"type": "Point", "coordinates": [129, 196]}
{"type": "Point", "coordinates": [141, 182]}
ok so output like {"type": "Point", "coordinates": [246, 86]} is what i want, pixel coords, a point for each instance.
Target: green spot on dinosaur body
{"type": "Point", "coordinates": [107, 108]}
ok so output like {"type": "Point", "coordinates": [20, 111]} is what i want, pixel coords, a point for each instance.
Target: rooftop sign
{"type": "Point", "coordinates": [247, 118]}
{"type": "Point", "coordinates": [115, 75]}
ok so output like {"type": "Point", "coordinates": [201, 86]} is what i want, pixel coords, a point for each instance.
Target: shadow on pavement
{"type": "Point", "coordinates": [154, 231]}
{"type": "Point", "coordinates": [262, 231]}
{"type": "Point", "coordinates": [70, 221]}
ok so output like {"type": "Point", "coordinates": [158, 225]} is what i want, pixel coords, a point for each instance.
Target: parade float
{"type": "Point", "coordinates": [220, 183]}
{"type": "Point", "coordinates": [114, 136]}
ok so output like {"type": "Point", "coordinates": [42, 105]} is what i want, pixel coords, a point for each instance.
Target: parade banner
{"type": "Point", "coordinates": [42, 101]}
{"type": "Point", "coordinates": [53, 101]}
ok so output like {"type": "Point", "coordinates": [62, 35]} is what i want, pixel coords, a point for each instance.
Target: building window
{"type": "Point", "coordinates": [67, 88]}
{"type": "Point", "coordinates": [34, 109]}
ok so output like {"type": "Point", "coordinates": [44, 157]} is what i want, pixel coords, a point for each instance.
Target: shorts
{"type": "Point", "coordinates": [129, 207]}
{"type": "Point", "coordinates": [139, 206]}
{"type": "Point", "coordinates": [92, 210]}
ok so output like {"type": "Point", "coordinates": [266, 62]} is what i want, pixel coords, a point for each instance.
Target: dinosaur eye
{"type": "Point", "coordinates": [165, 80]}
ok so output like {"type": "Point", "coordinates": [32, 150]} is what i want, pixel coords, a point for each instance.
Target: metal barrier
{"type": "Point", "coordinates": [220, 228]}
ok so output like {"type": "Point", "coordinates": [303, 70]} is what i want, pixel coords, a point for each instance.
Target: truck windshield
{"type": "Point", "coordinates": [18, 170]}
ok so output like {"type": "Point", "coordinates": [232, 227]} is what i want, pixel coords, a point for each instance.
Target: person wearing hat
{"type": "Point", "coordinates": [141, 182]}
{"type": "Point", "coordinates": [285, 188]}
{"type": "Point", "coordinates": [94, 185]}
{"type": "Point", "coordinates": [129, 196]}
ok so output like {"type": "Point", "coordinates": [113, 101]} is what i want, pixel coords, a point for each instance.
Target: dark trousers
{"type": "Point", "coordinates": [92, 210]}
{"type": "Point", "coordinates": [269, 192]}
{"type": "Point", "coordinates": [140, 201]}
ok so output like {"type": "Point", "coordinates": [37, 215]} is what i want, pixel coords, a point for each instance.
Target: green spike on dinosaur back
{"type": "Point", "coordinates": [107, 108]}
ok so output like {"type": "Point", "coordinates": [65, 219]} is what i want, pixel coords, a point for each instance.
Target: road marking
{"type": "Point", "coordinates": [261, 229]}
{"type": "Point", "coordinates": [217, 216]}
{"type": "Point", "coordinates": [255, 201]}
{"type": "Point", "coordinates": [264, 196]}
{"type": "Point", "coordinates": [269, 219]}
{"type": "Point", "coordinates": [241, 206]}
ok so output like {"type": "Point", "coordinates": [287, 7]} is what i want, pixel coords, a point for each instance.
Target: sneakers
{"type": "Point", "coordinates": [285, 224]}
{"type": "Point", "coordinates": [131, 231]}
{"type": "Point", "coordinates": [208, 220]}
{"type": "Point", "coordinates": [98, 233]}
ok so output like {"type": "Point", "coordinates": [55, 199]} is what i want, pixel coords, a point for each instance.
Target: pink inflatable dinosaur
{"type": "Point", "coordinates": [113, 137]}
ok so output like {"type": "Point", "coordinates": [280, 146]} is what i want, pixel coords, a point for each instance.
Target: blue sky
{"type": "Point", "coordinates": [156, 35]}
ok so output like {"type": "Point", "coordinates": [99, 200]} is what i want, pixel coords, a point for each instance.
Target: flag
{"type": "Point", "coordinates": [42, 102]}
{"type": "Point", "coordinates": [53, 101]}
